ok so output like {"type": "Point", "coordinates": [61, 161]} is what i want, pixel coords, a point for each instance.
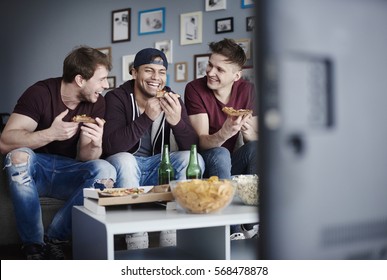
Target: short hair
{"type": "Point", "coordinates": [231, 50]}
{"type": "Point", "coordinates": [83, 61]}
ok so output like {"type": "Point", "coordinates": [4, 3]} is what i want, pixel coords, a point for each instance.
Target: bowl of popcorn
{"type": "Point", "coordinates": [200, 196]}
{"type": "Point", "coordinates": [247, 188]}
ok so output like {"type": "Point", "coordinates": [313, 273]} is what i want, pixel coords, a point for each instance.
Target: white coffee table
{"type": "Point", "coordinates": [199, 236]}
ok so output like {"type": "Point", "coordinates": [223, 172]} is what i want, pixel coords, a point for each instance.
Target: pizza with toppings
{"type": "Point", "coordinates": [121, 191]}
{"type": "Point", "coordinates": [160, 93]}
{"type": "Point", "coordinates": [236, 112]}
{"type": "Point", "coordinates": [84, 119]}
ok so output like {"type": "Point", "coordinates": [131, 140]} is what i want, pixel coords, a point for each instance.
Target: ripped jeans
{"type": "Point", "coordinates": [50, 176]}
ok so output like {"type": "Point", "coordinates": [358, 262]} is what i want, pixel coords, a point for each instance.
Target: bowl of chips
{"type": "Point", "coordinates": [247, 188]}
{"type": "Point", "coordinates": [201, 196]}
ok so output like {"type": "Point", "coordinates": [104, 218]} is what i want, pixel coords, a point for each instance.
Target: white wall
{"type": "Point", "coordinates": [37, 35]}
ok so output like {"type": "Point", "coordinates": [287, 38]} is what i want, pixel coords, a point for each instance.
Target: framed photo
{"type": "Point", "coordinates": [250, 21]}
{"type": "Point", "coordinates": [121, 25]}
{"type": "Point", "coordinates": [245, 45]}
{"type": "Point", "coordinates": [127, 64]}
{"type": "Point", "coordinates": [191, 28]}
{"type": "Point", "coordinates": [247, 4]}
{"type": "Point", "coordinates": [151, 21]}
{"type": "Point", "coordinates": [107, 51]}
{"type": "Point", "coordinates": [166, 47]}
{"type": "Point", "coordinates": [181, 71]}
{"type": "Point", "coordinates": [214, 5]}
{"type": "Point", "coordinates": [112, 82]}
{"type": "Point", "coordinates": [224, 25]}
{"type": "Point", "coordinates": [200, 65]}
{"type": "Point", "coordinates": [248, 74]}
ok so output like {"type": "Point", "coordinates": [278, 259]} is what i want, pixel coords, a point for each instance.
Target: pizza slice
{"type": "Point", "coordinates": [236, 112]}
{"type": "Point", "coordinates": [84, 119]}
{"type": "Point", "coordinates": [161, 93]}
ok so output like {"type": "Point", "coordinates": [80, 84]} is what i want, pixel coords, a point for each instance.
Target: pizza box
{"type": "Point", "coordinates": [150, 194]}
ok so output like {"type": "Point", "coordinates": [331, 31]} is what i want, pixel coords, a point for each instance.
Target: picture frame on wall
{"type": "Point", "coordinates": [214, 5]}
{"type": "Point", "coordinates": [127, 63]}
{"type": "Point", "coordinates": [200, 64]}
{"type": "Point", "coordinates": [121, 25]}
{"type": "Point", "coordinates": [151, 21]}
{"type": "Point", "coordinates": [247, 4]}
{"type": "Point", "coordinates": [191, 28]}
{"type": "Point", "coordinates": [250, 22]}
{"type": "Point", "coordinates": [245, 45]}
{"type": "Point", "coordinates": [224, 25]}
{"type": "Point", "coordinates": [166, 47]}
{"type": "Point", "coordinates": [112, 82]}
{"type": "Point", "coordinates": [181, 71]}
{"type": "Point", "coordinates": [107, 51]}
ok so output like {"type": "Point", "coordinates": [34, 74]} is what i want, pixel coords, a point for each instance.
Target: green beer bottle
{"type": "Point", "coordinates": [193, 169]}
{"type": "Point", "coordinates": [166, 171]}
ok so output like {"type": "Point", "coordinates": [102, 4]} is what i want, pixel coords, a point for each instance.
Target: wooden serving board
{"type": "Point", "coordinates": [151, 194]}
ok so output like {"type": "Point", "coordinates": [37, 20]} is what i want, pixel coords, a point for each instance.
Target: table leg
{"type": "Point", "coordinates": [90, 240]}
{"type": "Point", "coordinates": [211, 243]}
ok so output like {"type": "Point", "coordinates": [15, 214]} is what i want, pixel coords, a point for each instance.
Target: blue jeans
{"type": "Point", "coordinates": [220, 162]}
{"type": "Point", "coordinates": [134, 171]}
{"type": "Point", "coordinates": [51, 176]}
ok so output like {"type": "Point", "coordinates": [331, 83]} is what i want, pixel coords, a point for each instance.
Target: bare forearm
{"type": "Point", "coordinates": [89, 153]}
{"type": "Point", "coordinates": [14, 139]}
{"type": "Point", "coordinates": [213, 140]}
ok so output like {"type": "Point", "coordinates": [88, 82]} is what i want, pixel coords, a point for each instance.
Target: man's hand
{"type": "Point", "coordinates": [232, 126]}
{"type": "Point", "coordinates": [171, 106]}
{"type": "Point", "coordinates": [94, 132]}
{"type": "Point", "coordinates": [250, 128]}
{"type": "Point", "coordinates": [153, 108]}
{"type": "Point", "coordinates": [61, 130]}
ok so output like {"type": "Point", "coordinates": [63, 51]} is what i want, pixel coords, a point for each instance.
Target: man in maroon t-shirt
{"type": "Point", "coordinates": [50, 155]}
{"type": "Point", "coordinates": [205, 98]}
{"type": "Point", "coordinates": [218, 133]}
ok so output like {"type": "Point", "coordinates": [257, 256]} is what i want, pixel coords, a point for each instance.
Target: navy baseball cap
{"type": "Point", "coordinates": [147, 56]}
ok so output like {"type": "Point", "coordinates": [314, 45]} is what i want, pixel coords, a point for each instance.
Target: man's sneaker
{"type": "Point", "coordinates": [34, 252]}
{"type": "Point", "coordinates": [138, 240]}
{"type": "Point", "coordinates": [55, 249]}
{"type": "Point", "coordinates": [250, 233]}
{"type": "Point", "coordinates": [245, 233]}
{"type": "Point", "coordinates": [237, 236]}
{"type": "Point", "coordinates": [167, 238]}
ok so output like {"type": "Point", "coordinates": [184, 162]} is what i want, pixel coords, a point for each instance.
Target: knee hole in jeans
{"type": "Point", "coordinates": [19, 158]}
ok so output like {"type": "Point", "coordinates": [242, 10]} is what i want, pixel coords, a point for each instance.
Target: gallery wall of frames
{"type": "Point", "coordinates": [120, 28]}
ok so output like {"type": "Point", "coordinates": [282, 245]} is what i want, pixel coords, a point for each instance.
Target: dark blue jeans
{"type": "Point", "coordinates": [219, 162]}
{"type": "Point", "coordinates": [51, 176]}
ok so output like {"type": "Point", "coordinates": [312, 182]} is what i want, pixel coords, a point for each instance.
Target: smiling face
{"type": "Point", "coordinates": [221, 74]}
{"type": "Point", "coordinates": [149, 79]}
{"type": "Point", "coordinates": [92, 88]}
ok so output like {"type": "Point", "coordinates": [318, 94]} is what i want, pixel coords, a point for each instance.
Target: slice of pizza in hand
{"type": "Point", "coordinates": [84, 119]}
{"type": "Point", "coordinates": [161, 93]}
{"type": "Point", "coordinates": [236, 112]}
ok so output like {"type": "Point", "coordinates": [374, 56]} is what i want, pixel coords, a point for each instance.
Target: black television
{"type": "Point", "coordinates": [322, 77]}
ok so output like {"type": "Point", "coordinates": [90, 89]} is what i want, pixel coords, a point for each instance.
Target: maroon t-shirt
{"type": "Point", "coordinates": [198, 99]}
{"type": "Point", "coordinates": [42, 102]}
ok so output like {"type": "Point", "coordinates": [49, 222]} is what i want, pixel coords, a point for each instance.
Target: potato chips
{"type": "Point", "coordinates": [203, 196]}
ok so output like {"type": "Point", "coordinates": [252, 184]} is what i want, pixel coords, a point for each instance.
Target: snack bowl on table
{"type": "Point", "coordinates": [247, 188]}
{"type": "Point", "coordinates": [200, 196]}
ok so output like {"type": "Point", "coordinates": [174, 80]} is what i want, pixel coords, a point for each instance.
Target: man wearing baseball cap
{"type": "Point", "coordinates": [139, 124]}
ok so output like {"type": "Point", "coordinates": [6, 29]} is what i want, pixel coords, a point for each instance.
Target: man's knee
{"type": "Point", "coordinates": [18, 157]}
{"type": "Point", "coordinates": [17, 164]}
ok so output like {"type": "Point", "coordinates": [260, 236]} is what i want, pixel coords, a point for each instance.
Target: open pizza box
{"type": "Point", "coordinates": [96, 200]}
